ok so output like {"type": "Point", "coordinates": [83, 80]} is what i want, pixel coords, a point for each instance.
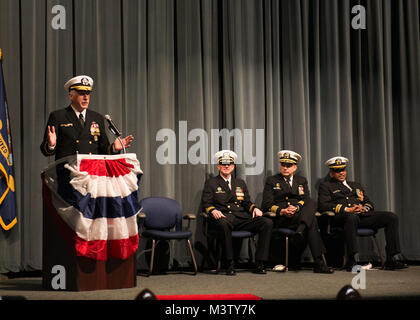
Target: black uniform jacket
{"type": "Point", "coordinates": [72, 138]}
{"type": "Point", "coordinates": [279, 195]}
{"type": "Point", "coordinates": [335, 196]}
{"type": "Point", "coordinates": [217, 195]}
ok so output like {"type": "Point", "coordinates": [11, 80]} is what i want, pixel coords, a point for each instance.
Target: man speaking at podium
{"type": "Point", "coordinates": [76, 129]}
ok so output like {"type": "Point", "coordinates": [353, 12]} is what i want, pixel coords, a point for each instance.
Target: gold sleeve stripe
{"type": "Point", "coordinates": [301, 202]}
{"type": "Point", "coordinates": [47, 150]}
{"type": "Point", "coordinates": [369, 205]}
{"type": "Point", "coordinates": [338, 207]}
{"type": "Point", "coordinates": [274, 209]}
{"type": "Point", "coordinates": [209, 209]}
{"type": "Point", "coordinates": [252, 208]}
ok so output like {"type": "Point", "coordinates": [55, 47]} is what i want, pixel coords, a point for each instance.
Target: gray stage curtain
{"type": "Point", "coordinates": [296, 70]}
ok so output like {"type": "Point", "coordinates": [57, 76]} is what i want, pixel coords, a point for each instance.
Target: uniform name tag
{"type": "Point", "coordinates": [66, 125]}
{"type": "Point", "coordinates": [335, 191]}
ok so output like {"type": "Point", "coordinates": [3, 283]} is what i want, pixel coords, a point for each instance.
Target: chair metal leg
{"type": "Point", "coordinates": [219, 257]}
{"type": "Point", "coordinates": [153, 256]}
{"type": "Point", "coordinates": [193, 257]}
{"type": "Point", "coordinates": [379, 251]}
{"type": "Point", "coordinates": [345, 256]}
{"type": "Point", "coordinates": [287, 253]}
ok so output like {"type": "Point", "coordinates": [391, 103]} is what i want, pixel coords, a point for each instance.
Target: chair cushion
{"type": "Point", "coordinates": [361, 232]}
{"type": "Point", "coordinates": [166, 235]}
{"type": "Point", "coordinates": [365, 232]}
{"type": "Point", "coordinates": [242, 234]}
{"type": "Point", "coordinates": [284, 231]}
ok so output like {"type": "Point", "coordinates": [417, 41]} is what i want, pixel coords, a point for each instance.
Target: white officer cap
{"type": "Point", "coordinates": [337, 162]}
{"type": "Point", "coordinates": [225, 157]}
{"type": "Point", "coordinates": [288, 156]}
{"type": "Point", "coordinates": [82, 82]}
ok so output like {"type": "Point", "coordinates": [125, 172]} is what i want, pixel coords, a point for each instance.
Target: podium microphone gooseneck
{"type": "Point", "coordinates": [113, 128]}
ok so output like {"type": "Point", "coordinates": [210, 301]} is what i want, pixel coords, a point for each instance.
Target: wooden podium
{"type": "Point", "coordinates": [80, 273]}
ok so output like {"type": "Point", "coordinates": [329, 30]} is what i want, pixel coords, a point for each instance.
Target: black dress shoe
{"type": "Point", "coordinates": [260, 269]}
{"type": "Point", "coordinates": [349, 265]}
{"type": "Point", "coordinates": [323, 268]}
{"type": "Point", "coordinates": [230, 271]}
{"type": "Point", "coordinates": [394, 265]}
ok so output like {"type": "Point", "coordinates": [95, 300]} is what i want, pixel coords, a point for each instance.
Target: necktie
{"type": "Point", "coordinates": [288, 182]}
{"type": "Point", "coordinates": [228, 183]}
{"type": "Point", "coordinates": [82, 120]}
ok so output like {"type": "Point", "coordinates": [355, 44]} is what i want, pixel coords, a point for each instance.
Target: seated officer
{"type": "Point", "coordinates": [287, 195]}
{"type": "Point", "coordinates": [227, 201]}
{"type": "Point", "coordinates": [353, 210]}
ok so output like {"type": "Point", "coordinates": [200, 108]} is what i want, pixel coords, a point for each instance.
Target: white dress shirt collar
{"type": "Point", "coordinates": [77, 112]}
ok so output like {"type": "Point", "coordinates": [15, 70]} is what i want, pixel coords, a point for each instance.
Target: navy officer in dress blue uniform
{"type": "Point", "coordinates": [287, 196]}
{"type": "Point", "coordinates": [353, 209]}
{"type": "Point", "coordinates": [227, 201]}
{"type": "Point", "coordinates": [76, 129]}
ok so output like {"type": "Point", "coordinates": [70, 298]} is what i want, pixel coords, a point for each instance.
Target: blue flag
{"type": "Point", "coordinates": [7, 180]}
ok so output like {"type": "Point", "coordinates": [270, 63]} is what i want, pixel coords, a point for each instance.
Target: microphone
{"type": "Point", "coordinates": [112, 127]}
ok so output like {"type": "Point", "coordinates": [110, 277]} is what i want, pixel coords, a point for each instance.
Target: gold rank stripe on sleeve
{"type": "Point", "coordinates": [369, 205]}
{"type": "Point", "coordinates": [251, 208]}
{"type": "Point", "coordinates": [209, 209]}
{"type": "Point", "coordinates": [47, 150]}
{"type": "Point", "coordinates": [301, 202]}
{"type": "Point", "coordinates": [274, 209]}
{"type": "Point", "coordinates": [338, 208]}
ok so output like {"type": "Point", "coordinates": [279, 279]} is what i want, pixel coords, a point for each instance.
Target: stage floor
{"type": "Point", "coordinates": [302, 284]}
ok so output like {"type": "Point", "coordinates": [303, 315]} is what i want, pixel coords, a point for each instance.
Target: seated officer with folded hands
{"type": "Point", "coordinates": [287, 195]}
{"type": "Point", "coordinates": [227, 201]}
{"type": "Point", "coordinates": [353, 209]}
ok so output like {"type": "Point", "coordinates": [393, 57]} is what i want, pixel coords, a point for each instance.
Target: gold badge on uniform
{"type": "Point", "coordinates": [219, 190]}
{"type": "Point", "coordinates": [301, 190]}
{"type": "Point", "coordinates": [94, 130]}
{"type": "Point", "coordinates": [239, 193]}
{"type": "Point", "coordinates": [360, 194]}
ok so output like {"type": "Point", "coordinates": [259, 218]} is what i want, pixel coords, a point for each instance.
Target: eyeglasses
{"type": "Point", "coordinates": [83, 92]}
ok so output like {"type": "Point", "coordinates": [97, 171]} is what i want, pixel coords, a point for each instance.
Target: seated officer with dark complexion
{"type": "Point", "coordinates": [353, 209]}
{"type": "Point", "coordinates": [227, 201]}
{"type": "Point", "coordinates": [287, 195]}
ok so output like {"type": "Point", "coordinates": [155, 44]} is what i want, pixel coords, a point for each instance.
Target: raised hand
{"type": "Point", "coordinates": [126, 142]}
{"type": "Point", "coordinates": [52, 137]}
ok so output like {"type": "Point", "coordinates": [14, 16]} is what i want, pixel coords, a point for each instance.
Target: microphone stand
{"type": "Point", "coordinates": [119, 139]}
